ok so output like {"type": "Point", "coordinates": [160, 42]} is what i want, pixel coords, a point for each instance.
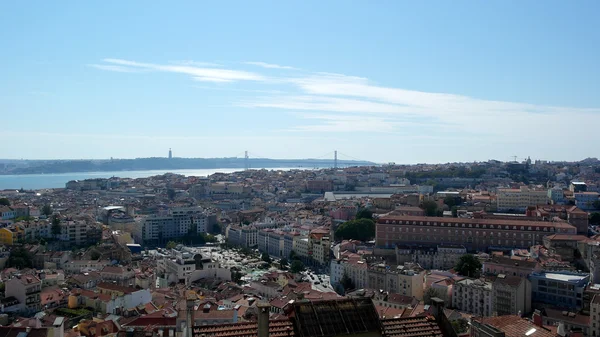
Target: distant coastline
{"type": "Point", "coordinates": [141, 164]}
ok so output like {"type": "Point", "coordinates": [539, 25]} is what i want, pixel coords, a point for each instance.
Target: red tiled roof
{"type": "Point", "coordinates": [277, 328]}
{"type": "Point", "coordinates": [421, 326]}
{"type": "Point", "coordinates": [115, 287]}
{"type": "Point", "coordinates": [145, 321]}
{"type": "Point", "coordinates": [515, 326]}
{"type": "Point", "coordinates": [566, 237]}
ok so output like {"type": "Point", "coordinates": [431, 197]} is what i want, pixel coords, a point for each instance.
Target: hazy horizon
{"type": "Point", "coordinates": [404, 82]}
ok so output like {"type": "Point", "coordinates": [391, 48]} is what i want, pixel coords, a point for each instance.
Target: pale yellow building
{"type": "Point", "coordinates": [520, 199]}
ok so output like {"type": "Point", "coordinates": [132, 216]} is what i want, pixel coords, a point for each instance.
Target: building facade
{"type": "Point", "coordinates": [406, 280]}
{"type": "Point", "coordinates": [26, 289]}
{"type": "Point", "coordinates": [473, 234]}
{"type": "Point", "coordinates": [520, 199]}
{"type": "Point", "coordinates": [473, 296]}
{"type": "Point", "coordinates": [511, 295]}
{"type": "Point", "coordinates": [562, 289]}
{"type": "Point", "coordinates": [441, 257]}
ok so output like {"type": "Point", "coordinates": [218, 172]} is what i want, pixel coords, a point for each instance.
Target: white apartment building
{"type": "Point", "coordinates": [473, 296]}
{"type": "Point", "coordinates": [302, 248]}
{"type": "Point", "coordinates": [26, 289]}
{"type": "Point", "coordinates": [246, 236]}
{"type": "Point", "coordinates": [35, 230]}
{"type": "Point", "coordinates": [511, 295]}
{"type": "Point", "coordinates": [83, 266]}
{"type": "Point", "coordinates": [179, 266]}
{"type": "Point", "coordinates": [595, 316]}
{"type": "Point", "coordinates": [74, 231]}
{"type": "Point", "coordinates": [520, 199]}
{"type": "Point", "coordinates": [179, 222]}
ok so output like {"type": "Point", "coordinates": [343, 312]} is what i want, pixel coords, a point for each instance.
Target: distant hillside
{"type": "Point", "coordinates": [70, 166]}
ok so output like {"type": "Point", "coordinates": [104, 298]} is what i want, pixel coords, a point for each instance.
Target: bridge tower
{"type": "Point", "coordinates": [246, 161]}
{"type": "Point", "coordinates": [335, 159]}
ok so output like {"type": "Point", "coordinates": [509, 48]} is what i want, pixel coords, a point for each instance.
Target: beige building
{"type": "Point", "coordinates": [520, 199]}
{"type": "Point", "coordinates": [407, 279]}
{"type": "Point", "coordinates": [441, 257]}
{"type": "Point", "coordinates": [511, 295]}
{"type": "Point", "coordinates": [319, 246]}
{"type": "Point", "coordinates": [473, 296]}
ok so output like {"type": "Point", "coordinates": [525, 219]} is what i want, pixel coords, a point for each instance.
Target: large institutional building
{"type": "Point", "coordinates": [474, 234]}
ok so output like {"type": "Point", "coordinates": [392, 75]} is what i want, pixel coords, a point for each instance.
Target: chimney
{"type": "Point", "coordinates": [189, 304]}
{"type": "Point", "coordinates": [437, 307]}
{"type": "Point", "coordinates": [537, 318]}
{"type": "Point", "coordinates": [235, 313]}
{"type": "Point", "coordinates": [263, 319]}
{"type": "Point", "coordinates": [561, 329]}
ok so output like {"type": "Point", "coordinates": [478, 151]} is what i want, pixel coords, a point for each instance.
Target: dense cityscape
{"type": "Point", "coordinates": [459, 249]}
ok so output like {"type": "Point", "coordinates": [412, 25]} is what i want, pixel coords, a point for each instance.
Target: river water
{"type": "Point", "coordinates": [58, 180]}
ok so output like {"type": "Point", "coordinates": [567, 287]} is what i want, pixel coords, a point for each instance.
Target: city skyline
{"type": "Point", "coordinates": [405, 83]}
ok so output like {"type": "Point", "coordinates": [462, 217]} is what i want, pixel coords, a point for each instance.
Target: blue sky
{"type": "Point", "coordinates": [422, 81]}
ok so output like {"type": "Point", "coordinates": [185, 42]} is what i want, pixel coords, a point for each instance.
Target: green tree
{"type": "Point", "coordinates": [347, 282]}
{"type": "Point", "coordinates": [236, 276]}
{"type": "Point", "coordinates": [450, 201]}
{"type": "Point", "coordinates": [468, 265]}
{"type": "Point", "coordinates": [297, 266]}
{"type": "Point", "coordinates": [364, 213]}
{"type": "Point", "coordinates": [596, 204]}
{"type": "Point", "coordinates": [47, 210]}
{"type": "Point", "coordinates": [454, 211]}
{"type": "Point", "coordinates": [283, 263]}
{"type": "Point", "coordinates": [460, 325]}
{"type": "Point", "coordinates": [171, 193]}
{"type": "Point", "coordinates": [265, 257]}
{"type": "Point", "coordinates": [595, 218]}
{"type": "Point", "coordinates": [19, 258]}
{"type": "Point", "coordinates": [360, 229]}
{"type": "Point", "coordinates": [430, 207]}
{"type": "Point", "coordinates": [55, 229]}
{"type": "Point", "coordinates": [171, 244]}
{"type": "Point", "coordinates": [429, 294]}
{"type": "Point", "coordinates": [4, 202]}
{"type": "Point", "coordinates": [95, 255]}
{"type": "Point", "coordinates": [294, 256]}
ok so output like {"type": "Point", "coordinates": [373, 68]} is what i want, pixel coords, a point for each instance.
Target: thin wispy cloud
{"type": "Point", "coordinates": [270, 65]}
{"type": "Point", "coordinates": [342, 103]}
{"type": "Point", "coordinates": [220, 88]}
{"type": "Point", "coordinates": [115, 68]}
{"type": "Point", "coordinates": [198, 64]}
{"type": "Point", "coordinates": [197, 73]}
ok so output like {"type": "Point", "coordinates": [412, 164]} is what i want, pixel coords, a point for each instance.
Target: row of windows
{"type": "Point", "coordinates": [456, 231]}
{"type": "Point", "coordinates": [484, 226]}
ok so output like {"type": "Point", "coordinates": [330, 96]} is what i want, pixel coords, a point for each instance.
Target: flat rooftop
{"type": "Point", "coordinates": [565, 277]}
{"type": "Point", "coordinates": [334, 196]}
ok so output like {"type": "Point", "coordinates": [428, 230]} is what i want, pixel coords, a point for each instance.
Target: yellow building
{"type": "Point", "coordinates": [7, 236]}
